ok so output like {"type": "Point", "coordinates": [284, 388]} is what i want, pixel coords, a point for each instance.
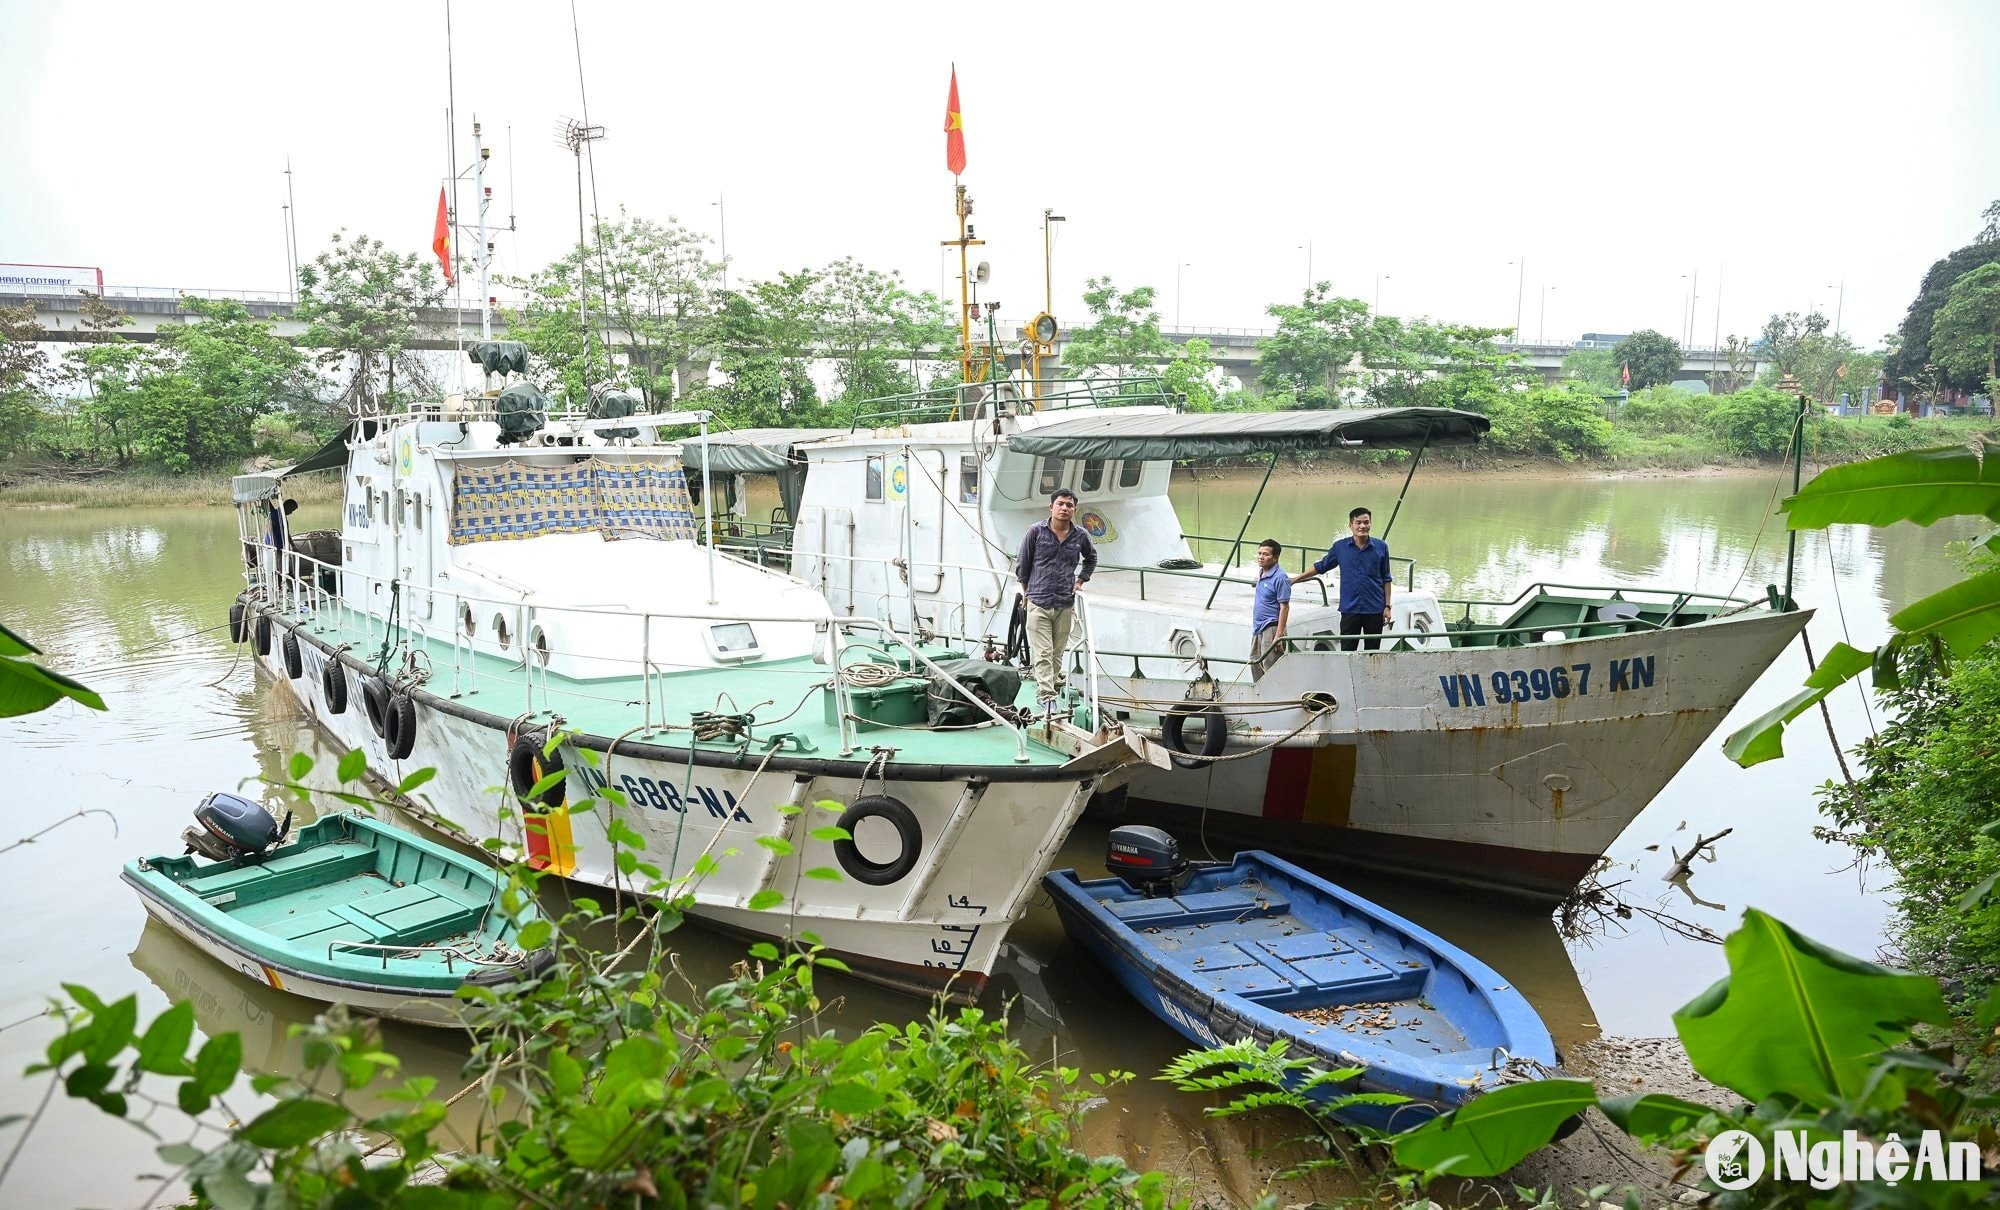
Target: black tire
{"type": "Point", "coordinates": [399, 727]}
{"type": "Point", "coordinates": [333, 686]}
{"type": "Point", "coordinates": [879, 873]}
{"type": "Point", "coordinates": [239, 625]}
{"type": "Point", "coordinates": [1214, 734]}
{"type": "Point", "coordinates": [295, 665]}
{"type": "Point", "coordinates": [375, 703]}
{"type": "Point", "coordinates": [260, 634]}
{"type": "Point", "coordinates": [527, 765]}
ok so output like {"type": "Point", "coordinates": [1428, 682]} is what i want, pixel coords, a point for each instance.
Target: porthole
{"type": "Point", "coordinates": [500, 634]}
{"type": "Point", "coordinates": [540, 642]}
{"type": "Point", "coordinates": [465, 620]}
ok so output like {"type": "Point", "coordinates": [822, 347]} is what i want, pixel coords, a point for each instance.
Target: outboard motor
{"type": "Point", "coordinates": [230, 828]}
{"type": "Point", "coordinates": [1145, 859]}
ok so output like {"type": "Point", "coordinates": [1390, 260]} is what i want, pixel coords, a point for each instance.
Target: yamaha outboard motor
{"type": "Point", "coordinates": [229, 828]}
{"type": "Point", "coordinates": [1145, 859]}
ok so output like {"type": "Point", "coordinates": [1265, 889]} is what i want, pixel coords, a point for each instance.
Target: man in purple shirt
{"type": "Point", "coordinates": [1365, 582]}
{"type": "Point", "coordinates": [1050, 579]}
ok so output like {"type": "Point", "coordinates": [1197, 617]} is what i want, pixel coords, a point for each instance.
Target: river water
{"type": "Point", "coordinates": [132, 604]}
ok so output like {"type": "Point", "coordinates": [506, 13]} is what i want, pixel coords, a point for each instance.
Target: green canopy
{"type": "Point", "coordinates": [756, 452]}
{"type": "Point", "coordinates": [1158, 436]}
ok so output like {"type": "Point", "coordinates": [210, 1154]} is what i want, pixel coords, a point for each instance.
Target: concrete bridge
{"type": "Point", "coordinates": [1234, 350]}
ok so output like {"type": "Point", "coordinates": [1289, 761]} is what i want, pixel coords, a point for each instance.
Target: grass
{"type": "Point", "coordinates": [28, 485]}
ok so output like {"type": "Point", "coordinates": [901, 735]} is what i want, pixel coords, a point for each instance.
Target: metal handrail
{"type": "Point", "coordinates": [889, 632]}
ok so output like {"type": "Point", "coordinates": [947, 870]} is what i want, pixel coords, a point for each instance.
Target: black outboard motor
{"type": "Point", "coordinates": [230, 828]}
{"type": "Point", "coordinates": [1145, 859]}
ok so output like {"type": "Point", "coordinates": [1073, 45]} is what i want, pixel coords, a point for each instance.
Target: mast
{"type": "Point", "coordinates": [964, 242]}
{"type": "Point", "coordinates": [485, 196]}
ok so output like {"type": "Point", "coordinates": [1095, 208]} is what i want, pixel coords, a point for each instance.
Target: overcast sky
{"type": "Point", "coordinates": [1777, 150]}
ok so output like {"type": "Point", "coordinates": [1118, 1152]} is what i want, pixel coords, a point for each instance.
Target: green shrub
{"type": "Point", "coordinates": [1757, 422]}
{"type": "Point", "coordinates": [1665, 409]}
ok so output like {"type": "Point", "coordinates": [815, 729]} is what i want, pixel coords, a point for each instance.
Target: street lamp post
{"type": "Point", "coordinates": [1177, 291]}
{"type": "Point", "coordinates": [1379, 279]}
{"type": "Point", "coordinates": [1542, 325]}
{"type": "Point", "coordinates": [1520, 292]}
{"type": "Point", "coordinates": [722, 229]}
{"type": "Point", "coordinates": [1839, 303]}
{"type": "Point", "coordinates": [1048, 259]}
{"type": "Point", "coordinates": [1307, 247]}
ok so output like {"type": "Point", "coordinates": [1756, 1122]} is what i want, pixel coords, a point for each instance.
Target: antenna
{"type": "Point", "coordinates": [576, 136]}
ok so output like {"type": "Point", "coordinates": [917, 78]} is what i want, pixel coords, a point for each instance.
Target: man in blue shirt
{"type": "Point", "coordinates": [1365, 581]}
{"type": "Point", "coordinates": [1050, 575]}
{"type": "Point", "coordinates": [1271, 609]}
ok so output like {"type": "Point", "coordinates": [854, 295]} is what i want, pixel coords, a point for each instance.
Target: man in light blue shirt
{"type": "Point", "coordinates": [1271, 610]}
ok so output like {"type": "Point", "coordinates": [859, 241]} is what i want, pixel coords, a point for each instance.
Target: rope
{"type": "Point", "coordinates": [1840, 607]}
{"type": "Point", "coordinates": [872, 675]}
{"type": "Point", "coordinates": [1812, 665]}
{"type": "Point", "coordinates": [1770, 510]}
{"type": "Point", "coordinates": [1312, 716]}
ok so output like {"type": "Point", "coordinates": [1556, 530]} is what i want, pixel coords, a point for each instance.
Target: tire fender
{"type": "Point", "coordinates": [260, 634]}
{"type": "Point", "coordinates": [333, 686]}
{"type": "Point", "coordinates": [375, 703]}
{"type": "Point", "coordinates": [527, 765]}
{"type": "Point", "coordinates": [399, 726]}
{"type": "Point", "coordinates": [1214, 733]}
{"type": "Point", "coordinates": [295, 665]}
{"type": "Point", "coordinates": [904, 820]}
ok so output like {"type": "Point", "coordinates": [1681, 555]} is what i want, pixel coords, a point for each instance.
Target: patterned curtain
{"type": "Point", "coordinates": [499, 501]}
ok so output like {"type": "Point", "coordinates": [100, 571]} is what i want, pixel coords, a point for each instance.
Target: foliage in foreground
{"type": "Point", "coordinates": [604, 1085]}
{"type": "Point", "coordinates": [1814, 1041]}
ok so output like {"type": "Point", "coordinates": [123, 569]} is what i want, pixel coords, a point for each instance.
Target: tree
{"type": "Point", "coordinates": [1123, 332]}
{"type": "Point", "coordinates": [1653, 358]}
{"type": "Point", "coordinates": [767, 337]}
{"type": "Point", "coordinates": [651, 285]}
{"type": "Point", "coordinates": [23, 368]}
{"type": "Point", "coordinates": [1741, 358]}
{"type": "Point", "coordinates": [1312, 354]}
{"type": "Point", "coordinates": [1192, 375]}
{"type": "Point", "coordinates": [363, 306]}
{"type": "Point", "coordinates": [1914, 365]}
{"type": "Point", "coordinates": [1966, 336]}
{"type": "Point", "coordinates": [1594, 367]}
{"type": "Point", "coordinates": [871, 322]}
{"type": "Point", "coordinates": [1418, 363]}
{"type": "Point", "coordinates": [210, 382]}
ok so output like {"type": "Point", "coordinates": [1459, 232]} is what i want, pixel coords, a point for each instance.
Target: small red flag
{"type": "Point", "coordinates": [954, 130]}
{"type": "Point", "coordinates": [441, 238]}
{"type": "Point", "coordinates": [1628, 374]}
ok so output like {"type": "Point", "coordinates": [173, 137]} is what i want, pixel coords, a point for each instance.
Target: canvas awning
{"type": "Point", "coordinates": [1157, 436]}
{"type": "Point", "coordinates": [747, 451]}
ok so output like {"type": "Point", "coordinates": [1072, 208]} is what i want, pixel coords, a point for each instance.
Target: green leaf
{"type": "Point", "coordinates": [1763, 738]}
{"type": "Point", "coordinates": [1797, 1017]}
{"type": "Point", "coordinates": [12, 644]}
{"type": "Point", "coordinates": [89, 1079]}
{"type": "Point", "coordinates": [704, 865]}
{"type": "Point", "coordinates": [415, 779]}
{"type": "Point", "coordinates": [777, 844]}
{"type": "Point", "coordinates": [111, 1030]}
{"type": "Point", "coordinates": [1496, 1131]}
{"type": "Point", "coordinates": [300, 765]}
{"type": "Point", "coordinates": [764, 950]}
{"type": "Point", "coordinates": [595, 1134]}
{"type": "Point", "coordinates": [217, 1064]}
{"type": "Point", "coordinates": [1977, 895]}
{"type": "Point", "coordinates": [535, 934]}
{"type": "Point", "coordinates": [180, 1155]}
{"type": "Point", "coordinates": [1964, 615]}
{"type": "Point", "coordinates": [1916, 485]}
{"type": "Point", "coordinates": [352, 766]}
{"type": "Point", "coordinates": [294, 1124]}
{"type": "Point", "coordinates": [825, 873]}
{"type": "Point", "coordinates": [27, 687]}
{"type": "Point", "coordinates": [565, 1074]}
{"type": "Point", "coordinates": [1652, 1115]}
{"type": "Point", "coordinates": [849, 1097]}
{"type": "Point", "coordinates": [163, 1050]}
{"type": "Point", "coordinates": [763, 901]}
{"type": "Point", "coordinates": [831, 832]}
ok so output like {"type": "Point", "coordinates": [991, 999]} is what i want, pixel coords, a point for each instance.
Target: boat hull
{"type": "Point", "coordinates": [436, 1008]}
{"type": "Point", "coordinates": [988, 833]}
{"type": "Point", "coordinates": [1293, 942]}
{"type": "Point", "coordinates": [1430, 763]}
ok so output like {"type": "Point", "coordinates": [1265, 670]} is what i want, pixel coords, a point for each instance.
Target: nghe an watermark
{"type": "Point", "coordinates": [1735, 1159]}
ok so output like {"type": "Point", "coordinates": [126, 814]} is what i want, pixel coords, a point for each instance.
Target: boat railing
{"type": "Point", "coordinates": [389, 950]}
{"type": "Point", "coordinates": [890, 634]}
{"type": "Point", "coordinates": [1308, 554]}
{"type": "Point", "coordinates": [975, 400]}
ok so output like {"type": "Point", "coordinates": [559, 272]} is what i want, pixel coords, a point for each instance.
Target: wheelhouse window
{"type": "Point", "coordinates": [873, 489]}
{"type": "Point", "coordinates": [1093, 475]}
{"type": "Point", "coordinates": [968, 479]}
{"type": "Point", "coordinates": [1129, 473]}
{"type": "Point", "coordinates": [1052, 476]}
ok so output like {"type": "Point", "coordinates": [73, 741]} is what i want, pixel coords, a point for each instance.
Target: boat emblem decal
{"type": "Point", "coordinates": [1097, 525]}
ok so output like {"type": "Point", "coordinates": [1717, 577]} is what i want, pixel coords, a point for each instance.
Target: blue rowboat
{"type": "Point", "coordinates": [1258, 949]}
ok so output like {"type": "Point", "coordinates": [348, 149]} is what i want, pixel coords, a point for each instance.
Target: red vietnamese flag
{"type": "Point", "coordinates": [1628, 374]}
{"type": "Point", "coordinates": [954, 129]}
{"type": "Point", "coordinates": [441, 238]}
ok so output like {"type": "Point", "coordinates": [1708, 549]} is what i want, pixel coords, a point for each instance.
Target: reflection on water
{"type": "Point", "coordinates": [136, 609]}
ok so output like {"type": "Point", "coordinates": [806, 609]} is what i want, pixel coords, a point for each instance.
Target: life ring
{"type": "Point", "coordinates": [375, 703]}
{"type": "Point", "coordinates": [239, 626]}
{"type": "Point", "coordinates": [1214, 734]}
{"type": "Point", "coordinates": [295, 665]}
{"type": "Point", "coordinates": [333, 686]}
{"type": "Point", "coordinates": [399, 726]}
{"type": "Point", "coordinates": [879, 873]}
{"type": "Point", "coordinates": [260, 634]}
{"type": "Point", "coordinates": [528, 764]}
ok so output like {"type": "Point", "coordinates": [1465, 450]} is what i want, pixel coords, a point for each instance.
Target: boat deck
{"type": "Point", "coordinates": [336, 895]}
{"type": "Point", "coordinates": [1245, 940]}
{"type": "Point", "coordinates": [787, 696]}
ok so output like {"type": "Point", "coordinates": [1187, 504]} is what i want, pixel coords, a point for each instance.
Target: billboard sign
{"type": "Point", "coordinates": [49, 279]}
